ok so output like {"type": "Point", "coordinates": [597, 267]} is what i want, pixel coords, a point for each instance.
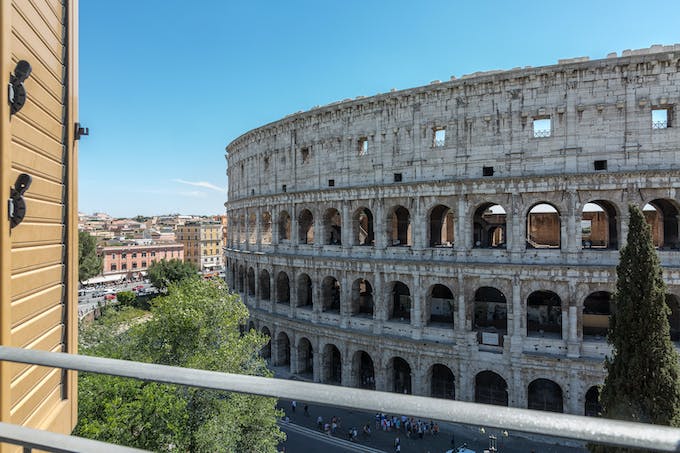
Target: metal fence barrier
{"type": "Point", "coordinates": [590, 429]}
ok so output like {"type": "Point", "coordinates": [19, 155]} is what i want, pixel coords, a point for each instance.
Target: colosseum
{"type": "Point", "coordinates": [459, 239]}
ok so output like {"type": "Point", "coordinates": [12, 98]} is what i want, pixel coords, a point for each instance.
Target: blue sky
{"type": "Point", "coordinates": [165, 85]}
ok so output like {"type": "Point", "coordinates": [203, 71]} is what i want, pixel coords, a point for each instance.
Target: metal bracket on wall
{"type": "Point", "coordinates": [79, 131]}
{"type": "Point", "coordinates": [16, 94]}
{"type": "Point", "coordinates": [16, 204]}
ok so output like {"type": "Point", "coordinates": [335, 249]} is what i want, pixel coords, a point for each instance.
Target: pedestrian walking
{"type": "Point", "coordinates": [306, 410]}
{"type": "Point", "coordinates": [319, 422]}
{"type": "Point", "coordinates": [293, 405]}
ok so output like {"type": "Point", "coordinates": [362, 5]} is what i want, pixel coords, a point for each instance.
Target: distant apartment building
{"type": "Point", "coordinates": [133, 260]}
{"type": "Point", "coordinates": [202, 244]}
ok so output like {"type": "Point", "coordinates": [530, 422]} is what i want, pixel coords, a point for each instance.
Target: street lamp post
{"type": "Point", "coordinates": [493, 446]}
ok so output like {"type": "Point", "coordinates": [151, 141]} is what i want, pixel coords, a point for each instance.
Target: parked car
{"type": "Point", "coordinates": [138, 288]}
{"type": "Point", "coordinates": [109, 297]}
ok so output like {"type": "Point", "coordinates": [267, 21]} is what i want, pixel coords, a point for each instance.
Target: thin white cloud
{"type": "Point", "coordinates": [194, 194]}
{"type": "Point", "coordinates": [204, 184]}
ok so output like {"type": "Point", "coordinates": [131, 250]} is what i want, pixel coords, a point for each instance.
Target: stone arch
{"type": "Point", "coordinates": [399, 227]}
{"type": "Point", "coordinates": [332, 365]}
{"type": "Point", "coordinates": [490, 315]}
{"type": "Point", "coordinates": [282, 288]}
{"type": "Point", "coordinates": [400, 306]}
{"type": "Point", "coordinates": [284, 226]}
{"type": "Point", "coordinates": [304, 291]}
{"type": "Point", "coordinates": [399, 376]}
{"type": "Point", "coordinates": [673, 303]}
{"type": "Point", "coordinates": [305, 358]}
{"type": "Point", "coordinates": [597, 308]}
{"type": "Point", "coordinates": [489, 226]}
{"type": "Point", "coordinates": [266, 227]}
{"type": "Point", "coordinates": [361, 303]}
{"type": "Point", "coordinates": [491, 388]}
{"type": "Point", "coordinates": [306, 227]}
{"type": "Point", "coordinates": [544, 314]}
{"type": "Point", "coordinates": [332, 225]}
{"type": "Point", "coordinates": [441, 226]}
{"type": "Point", "coordinates": [363, 370]}
{"type": "Point", "coordinates": [362, 227]}
{"type": "Point", "coordinates": [662, 216]}
{"type": "Point", "coordinates": [440, 306]}
{"type": "Point", "coordinates": [599, 225]}
{"type": "Point", "coordinates": [252, 228]}
{"type": "Point", "coordinates": [265, 291]}
{"type": "Point", "coordinates": [543, 227]}
{"type": "Point", "coordinates": [330, 294]}
{"type": "Point", "coordinates": [266, 351]}
{"type": "Point", "coordinates": [251, 281]}
{"type": "Point", "coordinates": [282, 350]}
{"type": "Point", "coordinates": [442, 382]}
{"type": "Point", "coordinates": [545, 395]}
{"type": "Point", "coordinates": [593, 408]}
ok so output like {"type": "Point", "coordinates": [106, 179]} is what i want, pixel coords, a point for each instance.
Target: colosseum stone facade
{"type": "Point", "coordinates": [459, 239]}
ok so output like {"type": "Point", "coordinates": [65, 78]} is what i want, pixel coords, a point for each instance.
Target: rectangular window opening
{"type": "Point", "coordinates": [487, 171]}
{"type": "Point", "coordinates": [363, 146]}
{"type": "Point", "coordinates": [283, 188]}
{"type": "Point", "coordinates": [439, 137]}
{"type": "Point", "coordinates": [661, 118]}
{"type": "Point", "coordinates": [304, 152]}
{"type": "Point", "coordinates": [542, 127]}
{"type": "Point", "coordinates": [600, 165]}
{"type": "Point", "coordinates": [331, 183]}
{"type": "Point", "coordinates": [397, 177]}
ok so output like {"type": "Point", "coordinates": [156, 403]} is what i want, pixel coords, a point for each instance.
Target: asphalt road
{"type": "Point", "coordinates": [91, 297]}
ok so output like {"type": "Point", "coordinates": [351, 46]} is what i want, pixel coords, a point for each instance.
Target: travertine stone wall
{"type": "Point", "coordinates": [381, 157]}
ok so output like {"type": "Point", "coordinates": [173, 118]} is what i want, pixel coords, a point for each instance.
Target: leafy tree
{"type": "Point", "coordinates": [196, 325]}
{"type": "Point", "coordinates": [126, 297]}
{"type": "Point", "coordinates": [643, 376]}
{"type": "Point", "coordinates": [163, 273]}
{"type": "Point", "coordinates": [89, 264]}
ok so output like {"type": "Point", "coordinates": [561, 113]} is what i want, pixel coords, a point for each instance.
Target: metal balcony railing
{"type": "Point", "coordinates": [659, 124]}
{"type": "Point", "coordinates": [590, 429]}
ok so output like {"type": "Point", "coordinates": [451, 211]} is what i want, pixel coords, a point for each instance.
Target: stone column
{"type": "Point", "coordinates": [346, 378]}
{"type": "Point", "coordinates": [461, 323]}
{"type": "Point", "coordinates": [317, 359]}
{"type": "Point", "coordinates": [416, 308]}
{"type": "Point", "coordinates": [272, 290]}
{"type": "Point", "coordinates": [379, 301]}
{"type": "Point", "coordinates": [294, 226]}
{"type": "Point", "coordinates": [417, 382]}
{"type": "Point", "coordinates": [293, 356]}
{"type": "Point", "coordinates": [257, 303]}
{"type": "Point", "coordinates": [571, 235]}
{"type": "Point", "coordinates": [316, 295]}
{"type": "Point", "coordinates": [516, 235]}
{"type": "Point", "coordinates": [346, 229]}
{"type": "Point", "coordinates": [293, 293]}
{"type": "Point", "coordinates": [379, 226]}
{"type": "Point", "coordinates": [418, 225]}
{"type": "Point", "coordinates": [516, 332]}
{"type": "Point", "coordinates": [380, 374]}
{"type": "Point", "coordinates": [275, 227]}
{"type": "Point", "coordinates": [258, 229]}
{"type": "Point", "coordinates": [462, 239]}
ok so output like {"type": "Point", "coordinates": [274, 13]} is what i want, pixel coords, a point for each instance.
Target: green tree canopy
{"type": "Point", "coordinates": [89, 264]}
{"type": "Point", "coordinates": [643, 375]}
{"type": "Point", "coordinates": [163, 273]}
{"type": "Point", "coordinates": [126, 297]}
{"type": "Point", "coordinates": [196, 325]}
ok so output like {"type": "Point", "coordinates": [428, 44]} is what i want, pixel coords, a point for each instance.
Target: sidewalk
{"type": "Point", "coordinates": [470, 435]}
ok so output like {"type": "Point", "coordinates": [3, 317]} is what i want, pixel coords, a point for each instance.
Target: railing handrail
{"type": "Point", "coordinates": [590, 429]}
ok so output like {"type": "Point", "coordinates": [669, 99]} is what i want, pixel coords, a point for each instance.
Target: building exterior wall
{"type": "Point", "coordinates": [202, 244]}
{"type": "Point", "coordinates": [38, 282]}
{"type": "Point", "coordinates": [131, 259]}
{"type": "Point", "coordinates": [317, 162]}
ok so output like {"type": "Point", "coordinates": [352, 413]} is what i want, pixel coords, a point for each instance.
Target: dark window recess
{"type": "Point", "coordinates": [252, 191]}
{"type": "Point", "coordinates": [397, 177]}
{"type": "Point", "coordinates": [305, 154]}
{"type": "Point", "coordinates": [487, 171]}
{"type": "Point", "coordinates": [331, 183]}
{"type": "Point", "coordinates": [600, 164]}
{"type": "Point", "coordinates": [283, 187]}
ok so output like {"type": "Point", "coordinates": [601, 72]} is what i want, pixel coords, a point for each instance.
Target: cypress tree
{"type": "Point", "coordinates": [643, 374]}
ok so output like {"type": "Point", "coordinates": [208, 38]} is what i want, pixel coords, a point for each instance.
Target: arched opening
{"type": "Point", "coordinates": [543, 227]}
{"type": "Point", "coordinates": [332, 222]}
{"type": "Point", "coordinates": [362, 298]}
{"type": "Point", "coordinates": [489, 226]}
{"type": "Point", "coordinates": [364, 370]}
{"type": "Point", "coordinates": [282, 288]}
{"type": "Point", "coordinates": [283, 350]}
{"type": "Point", "coordinates": [266, 351]}
{"type": "Point", "coordinates": [305, 357]}
{"type": "Point", "coordinates": [490, 388]}
{"type": "Point", "coordinates": [662, 216]}
{"type": "Point", "coordinates": [330, 295]}
{"type": "Point", "coordinates": [400, 309]}
{"type": "Point", "coordinates": [399, 227]}
{"type": "Point", "coordinates": [265, 292]}
{"type": "Point", "coordinates": [596, 310]}
{"type": "Point", "coordinates": [284, 226]}
{"type": "Point", "coordinates": [363, 227]}
{"type": "Point", "coordinates": [490, 316]}
{"type": "Point", "coordinates": [306, 227]}
{"type": "Point", "coordinates": [251, 281]}
{"type": "Point", "coordinates": [266, 223]}
{"type": "Point", "coordinates": [674, 316]}
{"type": "Point", "coordinates": [441, 226]}
{"type": "Point", "coordinates": [400, 374]}
{"type": "Point", "coordinates": [545, 395]}
{"type": "Point", "coordinates": [332, 365]}
{"type": "Point", "coordinates": [252, 228]}
{"type": "Point", "coordinates": [599, 225]}
{"type": "Point", "coordinates": [544, 314]}
{"type": "Point", "coordinates": [304, 291]}
{"type": "Point", "coordinates": [241, 279]}
{"type": "Point", "coordinates": [242, 229]}
{"type": "Point", "coordinates": [442, 382]}
{"type": "Point", "coordinates": [593, 408]}
{"type": "Point", "coordinates": [440, 306]}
